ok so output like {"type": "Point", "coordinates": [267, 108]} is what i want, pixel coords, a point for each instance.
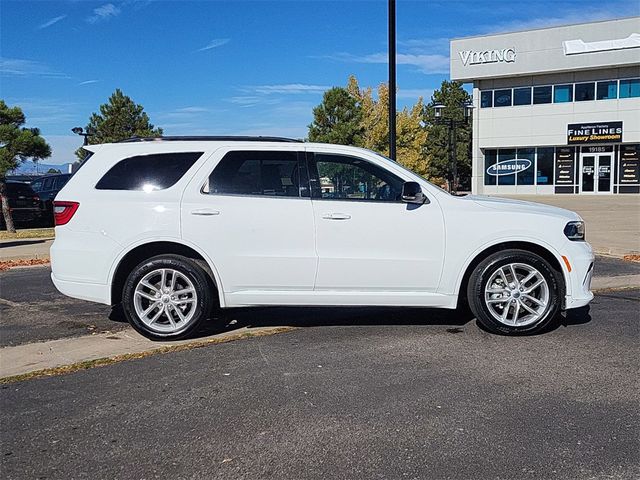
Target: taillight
{"type": "Point", "coordinates": [63, 211]}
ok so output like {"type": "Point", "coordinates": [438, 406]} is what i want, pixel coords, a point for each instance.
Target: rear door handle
{"type": "Point", "coordinates": [336, 216]}
{"type": "Point", "coordinates": [205, 212]}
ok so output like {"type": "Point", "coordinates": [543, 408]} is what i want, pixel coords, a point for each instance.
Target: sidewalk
{"type": "Point", "coordinates": [25, 248]}
{"type": "Point", "coordinates": [612, 221]}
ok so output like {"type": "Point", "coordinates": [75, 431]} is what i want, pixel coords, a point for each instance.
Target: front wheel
{"type": "Point", "coordinates": [167, 297]}
{"type": "Point", "coordinates": [515, 292]}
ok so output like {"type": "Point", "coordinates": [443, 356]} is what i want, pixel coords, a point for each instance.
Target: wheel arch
{"type": "Point", "coordinates": [538, 249]}
{"type": "Point", "coordinates": [140, 252]}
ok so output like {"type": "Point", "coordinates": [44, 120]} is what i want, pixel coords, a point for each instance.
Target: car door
{"type": "Point", "coordinates": [250, 211]}
{"type": "Point", "coordinates": [367, 239]}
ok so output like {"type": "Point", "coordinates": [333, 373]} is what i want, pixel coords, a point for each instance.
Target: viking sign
{"type": "Point", "coordinates": [501, 55]}
{"type": "Point", "coordinates": [508, 167]}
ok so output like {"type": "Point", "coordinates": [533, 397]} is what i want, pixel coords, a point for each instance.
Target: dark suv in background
{"type": "Point", "coordinates": [24, 203]}
{"type": "Point", "coordinates": [47, 187]}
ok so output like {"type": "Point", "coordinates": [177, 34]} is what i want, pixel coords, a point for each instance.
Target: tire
{"type": "Point", "coordinates": [180, 309]}
{"type": "Point", "coordinates": [532, 303]}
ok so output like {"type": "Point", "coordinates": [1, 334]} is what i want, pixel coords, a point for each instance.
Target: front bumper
{"type": "Point", "coordinates": [581, 259]}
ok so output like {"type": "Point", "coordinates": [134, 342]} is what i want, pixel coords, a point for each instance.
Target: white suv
{"type": "Point", "coordinates": [175, 227]}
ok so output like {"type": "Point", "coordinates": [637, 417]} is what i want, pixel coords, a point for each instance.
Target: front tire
{"type": "Point", "coordinates": [167, 297]}
{"type": "Point", "coordinates": [515, 292]}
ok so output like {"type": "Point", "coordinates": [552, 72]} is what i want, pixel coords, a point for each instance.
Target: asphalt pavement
{"type": "Point", "coordinates": [368, 394]}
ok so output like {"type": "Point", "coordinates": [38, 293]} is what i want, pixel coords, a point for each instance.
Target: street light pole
{"type": "Point", "coordinates": [392, 79]}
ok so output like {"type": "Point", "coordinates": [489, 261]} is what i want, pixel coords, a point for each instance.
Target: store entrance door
{"type": "Point", "coordinates": [595, 172]}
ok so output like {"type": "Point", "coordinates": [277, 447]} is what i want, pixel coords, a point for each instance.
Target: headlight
{"type": "Point", "coordinates": [574, 231]}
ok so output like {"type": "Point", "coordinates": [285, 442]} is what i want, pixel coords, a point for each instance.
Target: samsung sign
{"type": "Point", "coordinates": [501, 55]}
{"type": "Point", "coordinates": [509, 167]}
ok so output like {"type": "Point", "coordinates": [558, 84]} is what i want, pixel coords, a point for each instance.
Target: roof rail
{"type": "Point", "coordinates": [220, 138]}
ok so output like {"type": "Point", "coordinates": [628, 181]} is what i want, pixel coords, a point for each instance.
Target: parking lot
{"type": "Point", "coordinates": [352, 393]}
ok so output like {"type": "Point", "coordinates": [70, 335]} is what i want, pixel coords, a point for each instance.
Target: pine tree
{"type": "Point", "coordinates": [16, 145]}
{"type": "Point", "coordinates": [120, 118]}
{"type": "Point", "coordinates": [336, 119]}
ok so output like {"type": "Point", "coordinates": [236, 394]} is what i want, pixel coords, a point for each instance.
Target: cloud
{"type": "Point", "coordinates": [88, 82]}
{"type": "Point", "coordinates": [288, 88]}
{"type": "Point", "coordinates": [53, 21]}
{"type": "Point", "coordinates": [426, 63]}
{"type": "Point", "coordinates": [103, 13]}
{"type": "Point", "coordinates": [215, 43]}
{"type": "Point", "coordinates": [192, 110]}
{"type": "Point", "coordinates": [19, 67]}
{"type": "Point", "coordinates": [414, 93]}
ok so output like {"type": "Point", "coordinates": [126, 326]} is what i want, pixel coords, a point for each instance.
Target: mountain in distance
{"type": "Point", "coordinates": [31, 168]}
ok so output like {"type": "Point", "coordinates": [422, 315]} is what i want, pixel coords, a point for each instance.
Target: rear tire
{"type": "Point", "coordinates": [167, 297]}
{"type": "Point", "coordinates": [515, 292]}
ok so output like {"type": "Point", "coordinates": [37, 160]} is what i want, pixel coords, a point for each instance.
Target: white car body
{"type": "Point", "coordinates": [301, 251]}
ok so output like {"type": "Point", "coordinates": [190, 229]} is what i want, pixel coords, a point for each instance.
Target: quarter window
{"type": "Point", "coordinates": [338, 177]}
{"type": "Point", "coordinates": [148, 172]}
{"type": "Point", "coordinates": [585, 91]}
{"type": "Point", "coordinates": [265, 173]}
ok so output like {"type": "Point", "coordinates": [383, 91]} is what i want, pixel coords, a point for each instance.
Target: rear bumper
{"type": "Point", "coordinates": [93, 292]}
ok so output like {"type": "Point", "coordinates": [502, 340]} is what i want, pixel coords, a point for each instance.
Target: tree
{"type": "Point", "coordinates": [452, 96]}
{"type": "Point", "coordinates": [411, 135]}
{"type": "Point", "coordinates": [53, 170]}
{"type": "Point", "coordinates": [120, 118]}
{"type": "Point", "coordinates": [336, 119]}
{"type": "Point", "coordinates": [17, 143]}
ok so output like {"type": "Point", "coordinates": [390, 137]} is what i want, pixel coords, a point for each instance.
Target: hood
{"type": "Point", "coordinates": [514, 206]}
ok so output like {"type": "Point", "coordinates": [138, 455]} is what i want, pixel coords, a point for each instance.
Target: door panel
{"type": "Point", "coordinates": [604, 173]}
{"type": "Point", "coordinates": [367, 240]}
{"type": "Point", "coordinates": [256, 228]}
{"type": "Point", "coordinates": [588, 173]}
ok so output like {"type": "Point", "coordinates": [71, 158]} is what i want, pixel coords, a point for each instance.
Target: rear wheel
{"type": "Point", "coordinates": [167, 297]}
{"type": "Point", "coordinates": [515, 292]}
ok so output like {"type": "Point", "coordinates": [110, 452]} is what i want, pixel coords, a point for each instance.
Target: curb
{"type": "Point", "coordinates": [620, 281]}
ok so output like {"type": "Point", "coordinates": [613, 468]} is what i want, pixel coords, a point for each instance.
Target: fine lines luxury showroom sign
{"type": "Point", "coordinates": [601, 132]}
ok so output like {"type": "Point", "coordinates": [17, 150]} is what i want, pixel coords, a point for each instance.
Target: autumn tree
{"type": "Point", "coordinates": [120, 118]}
{"type": "Point", "coordinates": [17, 143]}
{"type": "Point", "coordinates": [453, 97]}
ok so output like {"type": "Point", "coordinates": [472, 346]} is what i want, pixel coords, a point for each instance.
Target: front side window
{"type": "Point", "coordinates": [562, 93]}
{"type": "Point", "coordinates": [148, 172]}
{"type": "Point", "coordinates": [502, 98]}
{"type": "Point", "coordinates": [486, 99]}
{"type": "Point", "coordinates": [607, 90]}
{"type": "Point", "coordinates": [630, 88]}
{"type": "Point", "coordinates": [585, 91]}
{"type": "Point", "coordinates": [338, 177]}
{"type": "Point", "coordinates": [264, 173]}
{"type": "Point", "coordinates": [522, 96]}
{"type": "Point", "coordinates": [541, 95]}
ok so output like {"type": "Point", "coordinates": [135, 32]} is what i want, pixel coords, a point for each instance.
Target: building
{"type": "Point", "coordinates": [556, 110]}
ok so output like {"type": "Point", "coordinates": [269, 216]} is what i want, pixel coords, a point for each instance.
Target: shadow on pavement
{"type": "Point", "coordinates": [20, 243]}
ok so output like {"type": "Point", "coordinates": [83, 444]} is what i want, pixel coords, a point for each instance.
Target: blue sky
{"type": "Point", "coordinates": [237, 67]}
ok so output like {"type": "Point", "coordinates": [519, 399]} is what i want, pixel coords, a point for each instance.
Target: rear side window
{"type": "Point", "coordinates": [274, 174]}
{"type": "Point", "coordinates": [148, 172]}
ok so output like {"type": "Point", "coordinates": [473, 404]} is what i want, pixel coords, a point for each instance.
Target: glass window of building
{"type": "Point", "coordinates": [502, 98]}
{"type": "Point", "coordinates": [607, 90]}
{"type": "Point", "coordinates": [562, 93]}
{"type": "Point", "coordinates": [490, 157]}
{"type": "Point", "coordinates": [486, 99]}
{"type": "Point", "coordinates": [526, 176]}
{"type": "Point", "coordinates": [522, 96]}
{"type": "Point", "coordinates": [544, 166]}
{"type": "Point", "coordinates": [585, 91]}
{"type": "Point", "coordinates": [541, 95]}
{"type": "Point", "coordinates": [630, 88]}
{"type": "Point", "coordinates": [503, 156]}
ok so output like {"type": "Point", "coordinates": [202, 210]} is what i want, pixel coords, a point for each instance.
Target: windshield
{"type": "Point", "coordinates": [412, 172]}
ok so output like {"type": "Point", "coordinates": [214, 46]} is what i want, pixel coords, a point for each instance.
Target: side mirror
{"type": "Point", "coordinates": [412, 193]}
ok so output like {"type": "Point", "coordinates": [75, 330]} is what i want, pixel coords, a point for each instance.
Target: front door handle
{"type": "Point", "coordinates": [336, 216]}
{"type": "Point", "coordinates": [205, 212]}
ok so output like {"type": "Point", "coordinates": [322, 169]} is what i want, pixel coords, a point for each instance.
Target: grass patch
{"type": "Point", "coordinates": [101, 362]}
{"type": "Point", "coordinates": [28, 233]}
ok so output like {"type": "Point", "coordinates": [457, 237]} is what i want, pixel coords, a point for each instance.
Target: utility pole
{"type": "Point", "coordinates": [392, 79]}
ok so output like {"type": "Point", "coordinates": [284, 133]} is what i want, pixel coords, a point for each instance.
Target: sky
{"type": "Point", "coordinates": [237, 67]}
